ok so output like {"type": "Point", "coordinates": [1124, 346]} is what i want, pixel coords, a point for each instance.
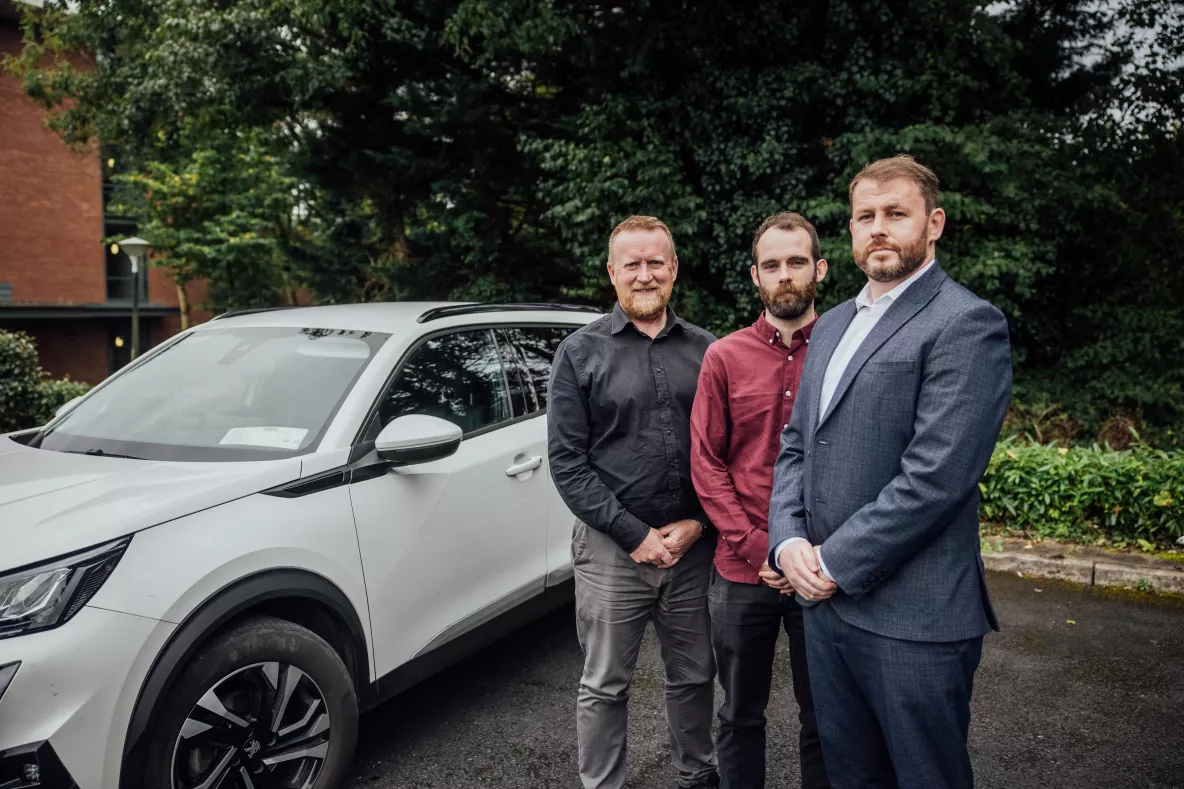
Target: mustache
{"type": "Point", "coordinates": [880, 246]}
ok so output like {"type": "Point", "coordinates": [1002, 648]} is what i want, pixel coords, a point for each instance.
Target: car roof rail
{"type": "Point", "coordinates": [252, 311]}
{"type": "Point", "coordinates": [471, 309]}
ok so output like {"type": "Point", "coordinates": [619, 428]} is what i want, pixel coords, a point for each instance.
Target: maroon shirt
{"type": "Point", "coordinates": [747, 386]}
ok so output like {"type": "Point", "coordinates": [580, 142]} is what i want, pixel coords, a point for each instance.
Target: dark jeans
{"type": "Point", "coordinates": [893, 714]}
{"type": "Point", "coordinates": [746, 620]}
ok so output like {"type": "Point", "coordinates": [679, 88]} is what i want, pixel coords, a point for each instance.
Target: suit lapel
{"type": "Point", "coordinates": [825, 348]}
{"type": "Point", "coordinates": [898, 314]}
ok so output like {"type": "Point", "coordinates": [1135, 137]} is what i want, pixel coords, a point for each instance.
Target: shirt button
{"type": "Point", "coordinates": [785, 425]}
{"type": "Point", "coordinates": [791, 357]}
{"type": "Point", "coordinates": [789, 394]}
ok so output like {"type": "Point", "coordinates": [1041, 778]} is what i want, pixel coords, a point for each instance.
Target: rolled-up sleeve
{"type": "Point", "coordinates": [568, 443]}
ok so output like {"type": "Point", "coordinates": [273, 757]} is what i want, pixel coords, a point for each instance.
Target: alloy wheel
{"type": "Point", "coordinates": [265, 726]}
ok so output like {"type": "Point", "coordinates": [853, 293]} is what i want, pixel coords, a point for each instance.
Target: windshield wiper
{"type": "Point", "coordinates": [100, 453]}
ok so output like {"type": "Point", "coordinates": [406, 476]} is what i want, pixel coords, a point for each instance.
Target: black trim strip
{"type": "Point", "coordinates": [453, 310]}
{"type": "Point", "coordinates": [326, 480]}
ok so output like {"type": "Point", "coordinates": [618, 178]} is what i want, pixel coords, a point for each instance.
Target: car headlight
{"type": "Point", "coordinates": [44, 597]}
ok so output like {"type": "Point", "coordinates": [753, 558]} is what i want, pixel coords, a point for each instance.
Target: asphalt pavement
{"type": "Point", "coordinates": [1083, 688]}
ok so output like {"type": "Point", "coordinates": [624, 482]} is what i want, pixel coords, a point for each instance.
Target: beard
{"type": "Point", "coordinates": [644, 305]}
{"type": "Point", "coordinates": [909, 258]}
{"type": "Point", "coordinates": [789, 302]}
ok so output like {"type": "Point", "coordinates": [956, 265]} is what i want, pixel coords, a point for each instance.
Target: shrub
{"type": "Point", "coordinates": [52, 395]}
{"type": "Point", "coordinates": [1086, 494]}
{"type": "Point", "coordinates": [19, 377]}
{"type": "Point", "coordinates": [27, 397]}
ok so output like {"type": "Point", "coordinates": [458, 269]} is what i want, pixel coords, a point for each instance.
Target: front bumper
{"type": "Point", "coordinates": [73, 694]}
{"type": "Point", "coordinates": [33, 766]}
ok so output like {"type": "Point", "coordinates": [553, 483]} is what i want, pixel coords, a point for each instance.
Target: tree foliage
{"type": "Point", "coordinates": [477, 150]}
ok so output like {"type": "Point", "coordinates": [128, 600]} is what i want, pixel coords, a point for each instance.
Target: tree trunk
{"type": "Point", "coordinates": [183, 300]}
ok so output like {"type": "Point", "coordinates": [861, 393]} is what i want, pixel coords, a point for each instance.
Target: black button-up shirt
{"type": "Point", "coordinates": [618, 425]}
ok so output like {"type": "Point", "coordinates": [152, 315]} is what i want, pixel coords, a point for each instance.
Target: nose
{"type": "Point", "coordinates": [878, 225]}
{"type": "Point", "coordinates": [644, 274]}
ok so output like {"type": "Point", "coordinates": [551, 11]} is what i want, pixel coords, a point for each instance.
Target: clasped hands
{"type": "Point", "coordinates": [665, 546]}
{"type": "Point", "coordinates": [803, 572]}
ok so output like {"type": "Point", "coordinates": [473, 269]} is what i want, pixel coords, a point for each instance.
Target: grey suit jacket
{"type": "Point", "coordinates": [886, 481]}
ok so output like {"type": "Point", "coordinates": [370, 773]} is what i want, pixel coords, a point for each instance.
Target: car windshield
{"type": "Point", "coordinates": [221, 394]}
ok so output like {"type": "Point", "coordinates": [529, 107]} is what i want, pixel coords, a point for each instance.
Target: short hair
{"type": "Point", "coordinates": [640, 223]}
{"type": "Point", "coordinates": [788, 220]}
{"type": "Point", "coordinates": [900, 166]}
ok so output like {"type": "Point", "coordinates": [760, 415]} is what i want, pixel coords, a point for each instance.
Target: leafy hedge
{"type": "Point", "coordinates": [1086, 494]}
{"type": "Point", "coordinates": [27, 396]}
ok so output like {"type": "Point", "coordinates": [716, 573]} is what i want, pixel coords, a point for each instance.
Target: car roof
{"type": "Point", "coordinates": [403, 316]}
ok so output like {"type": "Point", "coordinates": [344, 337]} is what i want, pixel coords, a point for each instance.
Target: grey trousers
{"type": "Point", "coordinates": [615, 599]}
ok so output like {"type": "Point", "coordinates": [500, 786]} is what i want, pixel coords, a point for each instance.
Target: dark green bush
{"type": "Point", "coordinates": [1092, 495]}
{"type": "Point", "coordinates": [19, 377]}
{"type": "Point", "coordinates": [27, 397]}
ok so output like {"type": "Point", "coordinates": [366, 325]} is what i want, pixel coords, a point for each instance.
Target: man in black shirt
{"type": "Point", "coordinates": [618, 427]}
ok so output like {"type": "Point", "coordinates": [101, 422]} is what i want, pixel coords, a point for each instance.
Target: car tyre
{"type": "Point", "coordinates": [265, 703]}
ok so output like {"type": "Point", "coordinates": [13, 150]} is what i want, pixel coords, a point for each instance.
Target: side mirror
{"type": "Point", "coordinates": [418, 439]}
{"type": "Point", "coordinates": [67, 406]}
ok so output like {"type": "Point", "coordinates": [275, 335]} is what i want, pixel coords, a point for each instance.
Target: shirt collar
{"type": "Point", "coordinates": [769, 333]}
{"type": "Point", "coordinates": [864, 299]}
{"type": "Point", "coordinates": [620, 320]}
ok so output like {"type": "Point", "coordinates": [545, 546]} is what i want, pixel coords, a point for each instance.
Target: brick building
{"type": "Point", "coordinates": [58, 281]}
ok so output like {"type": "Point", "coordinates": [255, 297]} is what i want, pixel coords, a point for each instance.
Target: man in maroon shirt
{"type": "Point", "coordinates": [747, 386]}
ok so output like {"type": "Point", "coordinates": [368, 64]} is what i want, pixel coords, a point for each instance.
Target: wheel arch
{"type": "Point", "coordinates": [299, 596]}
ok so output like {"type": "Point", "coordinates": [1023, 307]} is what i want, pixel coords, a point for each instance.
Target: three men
{"type": "Point", "coordinates": [874, 513]}
{"type": "Point", "coordinates": [746, 392]}
{"type": "Point", "coordinates": [872, 506]}
{"type": "Point", "coordinates": [618, 422]}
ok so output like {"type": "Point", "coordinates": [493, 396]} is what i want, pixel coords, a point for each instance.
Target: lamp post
{"type": "Point", "coordinates": [135, 248]}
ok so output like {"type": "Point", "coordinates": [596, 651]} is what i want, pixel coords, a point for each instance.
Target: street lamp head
{"type": "Point", "coordinates": [135, 247]}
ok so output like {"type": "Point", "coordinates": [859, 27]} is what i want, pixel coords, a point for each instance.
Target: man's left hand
{"type": "Point", "coordinates": [678, 537]}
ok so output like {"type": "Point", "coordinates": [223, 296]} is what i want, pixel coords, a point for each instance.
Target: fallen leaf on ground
{"type": "Point", "coordinates": [1071, 621]}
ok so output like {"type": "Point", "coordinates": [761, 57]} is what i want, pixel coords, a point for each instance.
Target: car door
{"type": "Point", "coordinates": [448, 545]}
{"type": "Point", "coordinates": [535, 350]}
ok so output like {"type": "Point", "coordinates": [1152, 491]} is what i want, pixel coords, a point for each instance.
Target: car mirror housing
{"type": "Point", "coordinates": [417, 438]}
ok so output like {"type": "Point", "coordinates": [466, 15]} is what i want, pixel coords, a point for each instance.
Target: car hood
{"type": "Point", "coordinates": [54, 503]}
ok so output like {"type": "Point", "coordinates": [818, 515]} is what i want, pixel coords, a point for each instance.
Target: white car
{"type": "Point", "coordinates": [211, 562]}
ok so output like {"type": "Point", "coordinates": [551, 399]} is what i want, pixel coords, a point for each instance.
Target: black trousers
{"type": "Point", "coordinates": [746, 620]}
{"type": "Point", "coordinates": [892, 714]}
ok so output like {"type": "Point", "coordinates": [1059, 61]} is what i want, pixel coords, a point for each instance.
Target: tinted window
{"type": "Point", "coordinates": [457, 377]}
{"type": "Point", "coordinates": [536, 346]}
{"type": "Point", "coordinates": [521, 394]}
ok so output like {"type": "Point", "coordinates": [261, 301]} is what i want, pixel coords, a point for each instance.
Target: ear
{"type": "Point", "coordinates": [937, 223]}
{"type": "Point", "coordinates": [674, 269]}
{"type": "Point", "coordinates": [612, 274]}
{"type": "Point", "coordinates": [756, 277]}
{"type": "Point", "coordinates": [820, 270]}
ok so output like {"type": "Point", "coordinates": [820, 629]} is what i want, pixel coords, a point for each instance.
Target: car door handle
{"type": "Point", "coordinates": [522, 468]}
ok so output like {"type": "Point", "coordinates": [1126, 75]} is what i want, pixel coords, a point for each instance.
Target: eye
{"type": "Point", "coordinates": [863, 217]}
{"type": "Point", "coordinates": [896, 214]}
{"type": "Point", "coordinates": [632, 265]}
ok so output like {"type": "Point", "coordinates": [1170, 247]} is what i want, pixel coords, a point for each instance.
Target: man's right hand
{"type": "Point", "coordinates": [653, 551]}
{"type": "Point", "coordinates": [799, 562]}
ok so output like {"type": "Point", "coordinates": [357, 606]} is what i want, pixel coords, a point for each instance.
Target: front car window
{"type": "Point", "coordinates": [457, 377]}
{"type": "Point", "coordinates": [236, 393]}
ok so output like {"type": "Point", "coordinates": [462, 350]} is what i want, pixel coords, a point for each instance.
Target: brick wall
{"type": "Point", "coordinates": [51, 205]}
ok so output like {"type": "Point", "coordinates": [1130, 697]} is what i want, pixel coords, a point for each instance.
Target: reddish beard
{"type": "Point", "coordinates": [643, 305]}
{"type": "Point", "coordinates": [910, 257]}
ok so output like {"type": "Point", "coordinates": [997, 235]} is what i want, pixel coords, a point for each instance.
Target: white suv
{"type": "Point", "coordinates": [211, 562]}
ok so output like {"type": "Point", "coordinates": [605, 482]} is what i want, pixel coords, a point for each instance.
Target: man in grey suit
{"type": "Point", "coordinates": [874, 511]}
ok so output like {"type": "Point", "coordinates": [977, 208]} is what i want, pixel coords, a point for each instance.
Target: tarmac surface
{"type": "Point", "coordinates": [1083, 688]}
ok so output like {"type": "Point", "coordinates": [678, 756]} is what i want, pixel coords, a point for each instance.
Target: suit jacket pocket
{"type": "Point", "coordinates": [888, 368]}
